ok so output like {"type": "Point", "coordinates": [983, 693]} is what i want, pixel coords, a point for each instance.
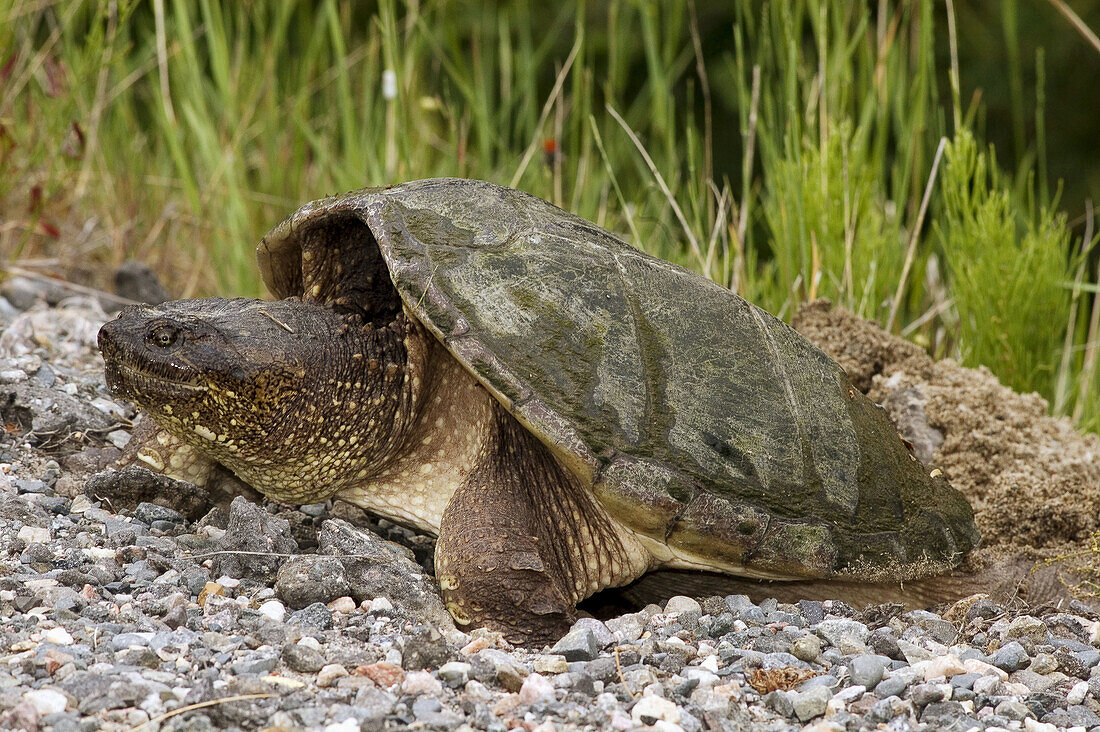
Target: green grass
{"type": "Point", "coordinates": [789, 153]}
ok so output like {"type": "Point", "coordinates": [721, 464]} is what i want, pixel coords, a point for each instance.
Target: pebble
{"type": "Point", "coordinates": [809, 704]}
{"type": "Point", "coordinates": [303, 659]}
{"type": "Point", "coordinates": [535, 687]}
{"type": "Point", "coordinates": [46, 701]}
{"type": "Point", "coordinates": [1077, 694]}
{"type": "Point", "coordinates": [58, 636]}
{"type": "Point", "coordinates": [866, 670]}
{"type": "Point", "coordinates": [273, 609]}
{"type": "Point", "coordinates": [806, 648]}
{"type": "Point", "coordinates": [1010, 657]}
{"type": "Point", "coordinates": [329, 673]}
{"type": "Point", "coordinates": [551, 663]}
{"type": "Point", "coordinates": [682, 604]}
{"type": "Point", "coordinates": [455, 673]}
{"type": "Point", "coordinates": [579, 644]}
{"type": "Point", "coordinates": [650, 709]}
{"type": "Point", "coordinates": [420, 682]}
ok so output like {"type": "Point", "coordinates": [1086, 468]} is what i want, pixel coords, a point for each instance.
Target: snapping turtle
{"type": "Point", "coordinates": [563, 411]}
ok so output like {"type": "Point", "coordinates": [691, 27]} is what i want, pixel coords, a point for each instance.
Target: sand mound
{"type": "Point", "coordinates": [1034, 481]}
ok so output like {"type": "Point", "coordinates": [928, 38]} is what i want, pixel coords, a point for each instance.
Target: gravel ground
{"type": "Point", "coordinates": [130, 601]}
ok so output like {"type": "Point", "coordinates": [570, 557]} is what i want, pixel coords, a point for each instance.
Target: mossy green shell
{"type": "Point", "coordinates": [699, 420]}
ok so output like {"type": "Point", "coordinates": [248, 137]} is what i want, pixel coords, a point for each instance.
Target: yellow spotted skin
{"type": "Point", "coordinates": [304, 403]}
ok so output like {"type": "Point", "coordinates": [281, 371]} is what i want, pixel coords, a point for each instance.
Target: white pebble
{"type": "Point", "coordinates": [310, 642]}
{"type": "Point", "coordinates": [619, 720]}
{"type": "Point", "coordinates": [34, 535]}
{"type": "Point", "coordinates": [1076, 695]}
{"type": "Point", "coordinates": [343, 605]}
{"type": "Point", "coordinates": [226, 581]}
{"type": "Point", "coordinates": [421, 682]}
{"type": "Point", "coordinates": [1032, 725]}
{"type": "Point", "coordinates": [61, 637]}
{"type": "Point", "coordinates": [80, 504]}
{"type": "Point", "coordinates": [47, 701]}
{"type": "Point", "coordinates": [380, 605]}
{"type": "Point", "coordinates": [649, 709]}
{"type": "Point", "coordinates": [274, 610]}
{"type": "Point", "coordinates": [943, 667]}
{"type": "Point", "coordinates": [535, 687]}
{"type": "Point", "coordinates": [348, 725]}
{"type": "Point", "coordinates": [682, 604]}
{"type": "Point", "coordinates": [328, 674]}
{"type": "Point", "coordinates": [710, 663]}
{"type": "Point", "coordinates": [1094, 633]}
{"type": "Point", "coordinates": [551, 663]}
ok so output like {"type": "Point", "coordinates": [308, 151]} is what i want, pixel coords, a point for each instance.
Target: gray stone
{"type": "Point", "coordinates": [310, 578]}
{"type": "Point", "coordinates": [378, 568]}
{"type": "Point", "coordinates": [1012, 709]}
{"type": "Point", "coordinates": [603, 635]}
{"type": "Point", "coordinates": [374, 704]}
{"type": "Point", "coordinates": [454, 673]}
{"type": "Point", "coordinates": [259, 536]}
{"type": "Point", "coordinates": [138, 282]}
{"type": "Point", "coordinates": [314, 616]}
{"type": "Point", "coordinates": [133, 485]}
{"type": "Point", "coordinates": [253, 666]}
{"type": "Point", "coordinates": [1010, 657]}
{"type": "Point", "coordinates": [812, 703]}
{"type": "Point", "coordinates": [303, 659]}
{"type": "Point", "coordinates": [781, 702]}
{"type": "Point", "coordinates": [946, 715]}
{"type": "Point", "coordinates": [578, 644]}
{"type": "Point", "coordinates": [812, 610]}
{"type": "Point", "coordinates": [1076, 715]}
{"type": "Point", "coordinates": [893, 686]}
{"type": "Point", "coordinates": [806, 648]}
{"type": "Point", "coordinates": [933, 625]}
{"type": "Point", "coordinates": [964, 681]}
{"type": "Point", "coordinates": [426, 648]}
{"type": "Point", "coordinates": [867, 670]}
{"type": "Point", "coordinates": [628, 628]}
{"type": "Point", "coordinates": [923, 694]}
{"type": "Point", "coordinates": [1030, 679]}
{"type": "Point", "coordinates": [836, 630]}
{"type": "Point", "coordinates": [150, 512]}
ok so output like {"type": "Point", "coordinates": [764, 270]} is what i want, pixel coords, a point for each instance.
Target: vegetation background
{"type": "Point", "coordinates": [929, 165]}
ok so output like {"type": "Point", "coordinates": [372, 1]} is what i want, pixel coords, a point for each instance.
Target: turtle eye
{"type": "Point", "coordinates": [163, 336]}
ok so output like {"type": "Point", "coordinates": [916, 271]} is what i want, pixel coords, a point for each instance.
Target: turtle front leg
{"type": "Point", "coordinates": [522, 541]}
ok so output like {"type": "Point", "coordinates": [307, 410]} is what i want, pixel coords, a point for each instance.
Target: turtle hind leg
{"type": "Point", "coordinates": [522, 541]}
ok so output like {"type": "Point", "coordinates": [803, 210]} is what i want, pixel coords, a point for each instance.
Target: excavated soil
{"type": "Point", "coordinates": [1033, 480]}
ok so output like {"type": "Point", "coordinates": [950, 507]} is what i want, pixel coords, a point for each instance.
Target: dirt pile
{"type": "Point", "coordinates": [1033, 480]}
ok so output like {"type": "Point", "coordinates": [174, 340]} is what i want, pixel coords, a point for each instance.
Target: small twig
{"type": "Point", "coordinates": [619, 666]}
{"type": "Point", "coordinates": [275, 320]}
{"type": "Point", "coordinates": [200, 705]}
{"type": "Point", "coordinates": [911, 250]}
{"type": "Point", "coordinates": [80, 289]}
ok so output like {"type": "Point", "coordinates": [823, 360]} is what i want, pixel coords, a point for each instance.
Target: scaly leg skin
{"type": "Point", "coordinates": [522, 541]}
{"type": "Point", "coordinates": [155, 448]}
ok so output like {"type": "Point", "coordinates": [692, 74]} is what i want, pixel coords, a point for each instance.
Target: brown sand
{"type": "Point", "coordinates": [1033, 480]}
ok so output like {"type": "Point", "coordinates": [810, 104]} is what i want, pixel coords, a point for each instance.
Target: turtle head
{"type": "Point", "coordinates": [284, 393]}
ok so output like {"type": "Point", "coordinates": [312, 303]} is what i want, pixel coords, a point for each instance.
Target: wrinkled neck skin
{"type": "Point", "coordinates": [346, 420]}
{"type": "Point", "coordinates": [296, 399]}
